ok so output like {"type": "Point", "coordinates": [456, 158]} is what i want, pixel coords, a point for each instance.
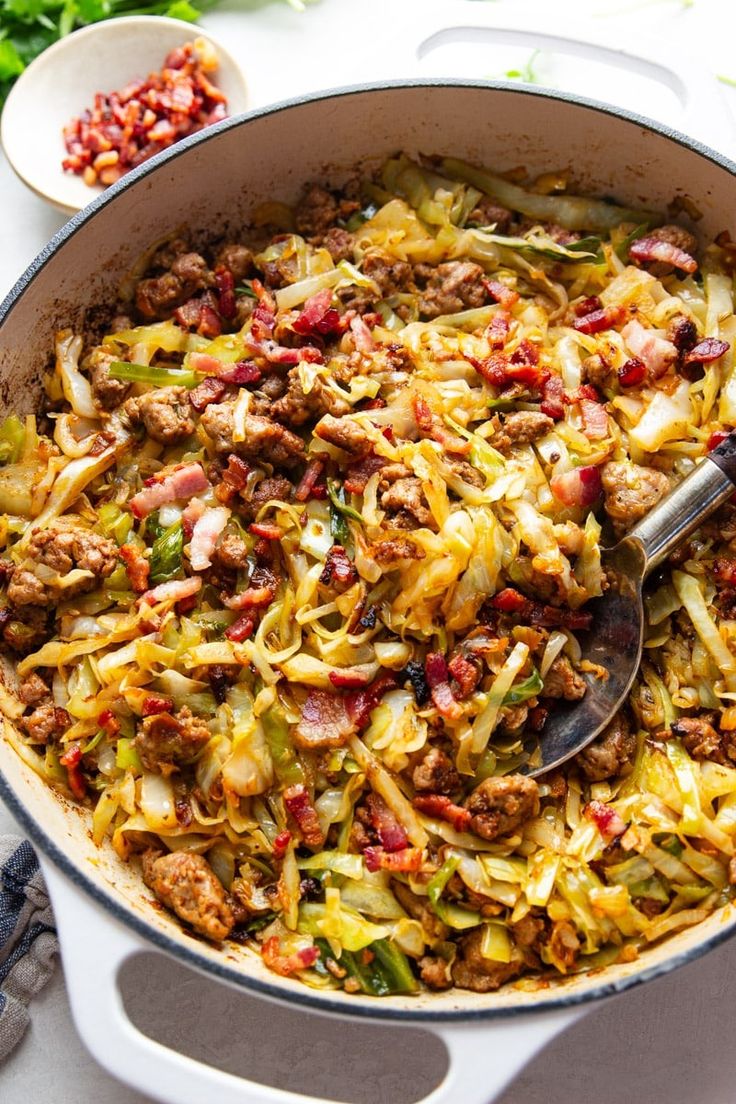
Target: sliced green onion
{"type": "Point", "coordinates": [166, 554]}
{"type": "Point", "coordinates": [147, 373]}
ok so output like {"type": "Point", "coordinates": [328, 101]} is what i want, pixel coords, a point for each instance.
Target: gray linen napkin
{"type": "Point", "coordinates": [28, 945]}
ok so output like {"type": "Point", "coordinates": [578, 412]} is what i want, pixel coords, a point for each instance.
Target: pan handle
{"type": "Point", "coordinates": [703, 112]}
{"type": "Point", "coordinates": [482, 1056]}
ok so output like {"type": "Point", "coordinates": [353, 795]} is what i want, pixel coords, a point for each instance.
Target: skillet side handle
{"type": "Point", "coordinates": [483, 1056]}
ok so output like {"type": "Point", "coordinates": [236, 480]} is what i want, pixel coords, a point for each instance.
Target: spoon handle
{"type": "Point", "coordinates": [680, 512]}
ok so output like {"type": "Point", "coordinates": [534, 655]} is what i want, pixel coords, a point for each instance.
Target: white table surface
{"type": "Point", "coordinates": [669, 1042]}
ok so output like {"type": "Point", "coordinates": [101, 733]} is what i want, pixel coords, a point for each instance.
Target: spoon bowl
{"type": "Point", "coordinates": [63, 81]}
{"type": "Point", "coordinates": [615, 639]}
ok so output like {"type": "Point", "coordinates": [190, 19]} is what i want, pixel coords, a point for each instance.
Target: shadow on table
{"type": "Point", "coordinates": [646, 1046]}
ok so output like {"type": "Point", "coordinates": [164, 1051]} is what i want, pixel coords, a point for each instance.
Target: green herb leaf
{"type": "Point", "coordinates": [166, 554]}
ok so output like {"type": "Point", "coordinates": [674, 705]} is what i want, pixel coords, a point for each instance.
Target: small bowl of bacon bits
{"type": "Point", "coordinates": [109, 97]}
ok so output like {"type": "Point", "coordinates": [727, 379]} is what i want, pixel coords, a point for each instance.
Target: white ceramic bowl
{"type": "Point", "coordinates": [63, 80]}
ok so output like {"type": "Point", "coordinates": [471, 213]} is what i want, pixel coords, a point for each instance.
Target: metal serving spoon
{"type": "Point", "coordinates": [615, 639]}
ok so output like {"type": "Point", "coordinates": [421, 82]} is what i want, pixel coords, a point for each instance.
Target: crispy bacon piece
{"type": "Point", "coordinates": [71, 759]}
{"type": "Point", "coordinates": [357, 475]}
{"type": "Point", "coordinates": [137, 567]}
{"type": "Point", "coordinates": [587, 306]}
{"type": "Point", "coordinates": [553, 398]}
{"type": "Point", "coordinates": [362, 336]}
{"type": "Point", "coordinates": [509, 600]}
{"type": "Point", "coordinates": [707, 350]}
{"type": "Point", "coordinates": [260, 593]}
{"type": "Point", "coordinates": [152, 705]}
{"type": "Point", "coordinates": [339, 568]}
{"type": "Point", "coordinates": [324, 722]}
{"type": "Point", "coordinates": [632, 373]}
{"type": "Point", "coordinates": [309, 480]}
{"type": "Point", "coordinates": [206, 532]}
{"type": "Point", "coordinates": [397, 862]}
{"type": "Point", "coordinates": [429, 423]}
{"type": "Point", "coordinates": [317, 316]}
{"type": "Point", "coordinates": [191, 515]}
{"type": "Point", "coordinates": [109, 722]}
{"type": "Point", "coordinates": [236, 473]}
{"type": "Point", "coordinates": [173, 591]}
{"type": "Point", "coordinates": [287, 964]}
{"type": "Point", "coordinates": [299, 804]}
{"type": "Point", "coordinates": [423, 414]}
{"type": "Point", "coordinates": [437, 805]}
{"type": "Point", "coordinates": [656, 352]}
{"type": "Point", "coordinates": [183, 482]}
{"type": "Point", "coordinates": [390, 832]}
{"type": "Point", "coordinates": [608, 822]}
{"type": "Point", "coordinates": [579, 487]}
{"type": "Point", "coordinates": [245, 371]}
{"type": "Point", "coordinates": [644, 250]}
{"type": "Point", "coordinates": [199, 315]}
{"type": "Point", "coordinates": [443, 698]}
{"type": "Point", "coordinates": [241, 629]}
{"type": "Point", "coordinates": [492, 368]}
{"type": "Point", "coordinates": [465, 674]}
{"type": "Point", "coordinates": [361, 703]}
{"type": "Point", "coordinates": [226, 292]}
{"type": "Point", "coordinates": [501, 293]}
{"type": "Point", "coordinates": [346, 679]}
{"type": "Point", "coordinates": [605, 318]}
{"type": "Point", "coordinates": [497, 330]}
{"type": "Point", "coordinates": [280, 354]}
{"type": "Point", "coordinates": [282, 841]}
{"type": "Point", "coordinates": [595, 420]}
{"type": "Point", "coordinates": [210, 390]}
{"type": "Point", "coordinates": [266, 530]}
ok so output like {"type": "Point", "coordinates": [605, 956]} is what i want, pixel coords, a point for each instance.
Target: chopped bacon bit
{"type": "Point", "coordinates": [632, 373]}
{"type": "Point", "coordinates": [362, 336]}
{"type": "Point", "coordinates": [299, 804]}
{"type": "Point", "coordinates": [361, 703]}
{"type": "Point", "coordinates": [357, 476]}
{"type": "Point", "coordinates": [652, 249]}
{"type": "Point", "coordinates": [317, 316]}
{"type": "Point", "coordinates": [579, 487]}
{"type": "Point", "coordinates": [339, 568]}
{"type": "Point", "coordinates": [501, 293]}
{"type": "Point", "coordinates": [608, 822]}
{"type": "Point", "coordinates": [683, 333]}
{"type": "Point", "coordinates": [71, 759]}
{"type": "Point", "coordinates": [241, 629]}
{"type": "Point", "coordinates": [407, 860]}
{"type": "Point", "coordinates": [210, 390]}
{"type": "Point", "coordinates": [307, 483]}
{"type": "Point", "coordinates": [587, 306]}
{"type": "Point", "coordinates": [183, 482]}
{"type": "Point", "coordinates": [282, 841]}
{"type": "Point", "coordinates": [245, 371]}
{"type": "Point", "coordinates": [173, 591]}
{"type": "Point", "coordinates": [492, 369]}
{"type": "Point", "coordinates": [509, 600]}
{"type": "Point", "coordinates": [109, 722]}
{"type": "Point", "coordinates": [346, 679]}
{"type": "Point", "coordinates": [287, 964]}
{"type": "Point", "coordinates": [437, 805]}
{"type": "Point", "coordinates": [465, 674]}
{"type": "Point", "coordinates": [265, 530]}
{"type": "Point", "coordinates": [443, 698]}
{"type": "Point", "coordinates": [205, 534]}
{"type": "Point", "coordinates": [199, 315]}
{"type": "Point", "coordinates": [707, 350]}
{"type": "Point", "coordinates": [585, 391]}
{"type": "Point", "coordinates": [125, 128]}
{"type": "Point", "coordinates": [153, 705]}
{"type": "Point", "coordinates": [226, 292]}
{"type": "Point", "coordinates": [497, 330]}
{"type": "Point", "coordinates": [423, 414]}
{"type": "Point", "coordinates": [390, 832]}
{"type": "Point", "coordinates": [598, 320]}
{"type": "Point", "coordinates": [136, 566]}
{"type": "Point", "coordinates": [595, 420]}
{"type": "Point", "coordinates": [553, 397]}
{"type": "Point", "coordinates": [260, 593]}
{"type": "Point", "coordinates": [526, 352]}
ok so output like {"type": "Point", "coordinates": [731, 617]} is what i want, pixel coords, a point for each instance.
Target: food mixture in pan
{"type": "Point", "coordinates": [296, 561]}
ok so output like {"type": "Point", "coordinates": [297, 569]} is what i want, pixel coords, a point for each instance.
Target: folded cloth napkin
{"type": "Point", "coordinates": [28, 945]}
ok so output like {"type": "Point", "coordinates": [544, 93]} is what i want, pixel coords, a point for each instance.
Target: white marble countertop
{"type": "Point", "coordinates": [666, 1043]}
